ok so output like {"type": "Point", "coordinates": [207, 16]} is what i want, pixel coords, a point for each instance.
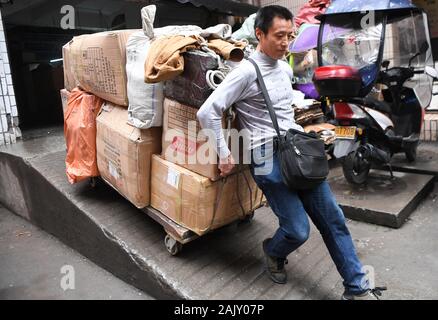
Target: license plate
{"type": "Point", "coordinates": [345, 132]}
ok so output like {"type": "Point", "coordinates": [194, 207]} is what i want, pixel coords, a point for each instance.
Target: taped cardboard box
{"type": "Point", "coordinates": [124, 154]}
{"type": "Point", "coordinates": [197, 203]}
{"type": "Point", "coordinates": [69, 80]}
{"type": "Point", "coordinates": [97, 64]}
{"type": "Point", "coordinates": [185, 145]}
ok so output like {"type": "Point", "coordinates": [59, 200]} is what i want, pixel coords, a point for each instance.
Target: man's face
{"type": "Point", "coordinates": [276, 41]}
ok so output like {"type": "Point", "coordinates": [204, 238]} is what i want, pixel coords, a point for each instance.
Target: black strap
{"type": "Point", "coordinates": [267, 98]}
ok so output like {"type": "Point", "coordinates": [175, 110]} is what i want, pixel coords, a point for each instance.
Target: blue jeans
{"type": "Point", "coordinates": [292, 207]}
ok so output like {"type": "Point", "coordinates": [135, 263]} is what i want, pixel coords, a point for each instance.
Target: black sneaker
{"type": "Point", "coordinates": [275, 266]}
{"type": "Point", "coordinates": [371, 294]}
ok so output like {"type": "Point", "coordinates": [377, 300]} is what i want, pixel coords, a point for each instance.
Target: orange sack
{"type": "Point", "coordinates": [80, 135]}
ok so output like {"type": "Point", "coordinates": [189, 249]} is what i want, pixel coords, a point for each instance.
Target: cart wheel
{"type": "Point", "coordinates": [172, 246]}
{"type": "Point", "coordinates": [93, 182]}
{"type": "Point", "coordinates": [248, 218]}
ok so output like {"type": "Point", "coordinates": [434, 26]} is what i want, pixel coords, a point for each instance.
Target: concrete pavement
{"type": "Point", "coordinates": [31, 262]}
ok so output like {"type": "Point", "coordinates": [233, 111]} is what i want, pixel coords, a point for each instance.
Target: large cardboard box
{"type": "Point", "coordinates": [97, 64]}
{"type": "Point", "coordinates": [196, 202]}
{"type": "Point", "coordinates": [69, 80]}
{"type": "Point", "coordinates": [124, 154]}
{"type": "Point", "coordinates": [185, 145]}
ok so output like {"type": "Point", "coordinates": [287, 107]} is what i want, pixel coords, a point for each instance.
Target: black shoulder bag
{"type": "Point", "coordinates": [302, 156]}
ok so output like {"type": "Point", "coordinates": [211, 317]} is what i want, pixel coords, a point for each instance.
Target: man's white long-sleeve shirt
{"type": "Point", "coordinates": [241, 88]}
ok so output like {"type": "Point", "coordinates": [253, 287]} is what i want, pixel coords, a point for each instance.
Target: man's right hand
{"type": "Point", "coordinates": [226, 165]}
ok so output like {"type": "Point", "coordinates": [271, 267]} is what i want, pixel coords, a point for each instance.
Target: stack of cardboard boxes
{"type": "Point", "coordinates": [187, 187]}
{"type": "Point", "coordinates": [96, 63]}
{"type": "Point", "coordinates": [144, 165]}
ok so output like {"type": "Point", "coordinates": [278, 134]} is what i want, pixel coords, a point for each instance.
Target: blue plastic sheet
{"type": "Point", "coordinates": [344, 6]}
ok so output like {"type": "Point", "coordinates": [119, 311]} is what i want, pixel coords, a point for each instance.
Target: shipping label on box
{"type": "Point", "coordinates": [112, 157]}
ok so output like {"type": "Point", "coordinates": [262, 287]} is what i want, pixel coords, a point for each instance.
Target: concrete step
{"type": "Point", "coordinates": [382, 200]}
{"type": "Point", "coordinates": [426, 162]}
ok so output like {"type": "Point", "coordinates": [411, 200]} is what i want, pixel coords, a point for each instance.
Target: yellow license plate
{"type": "Point", "coordinates": [345, 132]}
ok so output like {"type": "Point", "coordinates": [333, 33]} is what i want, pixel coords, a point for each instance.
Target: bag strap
{"type": "Point", "coordinates": [267, 98]}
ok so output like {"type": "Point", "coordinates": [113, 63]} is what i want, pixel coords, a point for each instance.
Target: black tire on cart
{"type": "Point", "coordinates": [93, 182]}
{"type": "Point", "coordinates": [173, 247]}
{"type": "Point", "coordinates": [248, 218]}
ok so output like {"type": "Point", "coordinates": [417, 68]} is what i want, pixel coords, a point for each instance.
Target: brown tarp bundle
{"type": "Point", "coordinates": [165, 60]}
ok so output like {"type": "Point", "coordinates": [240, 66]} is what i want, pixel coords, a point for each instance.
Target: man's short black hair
{"type": "Point", "coordinates": [266, 15]}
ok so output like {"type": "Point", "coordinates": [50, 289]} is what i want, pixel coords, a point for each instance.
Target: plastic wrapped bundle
{"type": "Point", "coordinates": [145, 99]}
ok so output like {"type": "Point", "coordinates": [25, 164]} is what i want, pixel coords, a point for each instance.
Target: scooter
{"type": "Point", "coordinates": [370, 131]}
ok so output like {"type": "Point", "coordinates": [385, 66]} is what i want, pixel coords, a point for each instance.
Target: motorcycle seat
{"type": "Point", "coordinates": [377, 105]}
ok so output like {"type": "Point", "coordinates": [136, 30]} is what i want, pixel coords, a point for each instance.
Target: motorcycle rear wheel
{"type": "Point", "coordinates": [356, 168]}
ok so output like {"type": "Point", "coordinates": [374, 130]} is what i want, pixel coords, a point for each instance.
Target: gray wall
{"type": "Point", "coordinates": [9, 130]}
